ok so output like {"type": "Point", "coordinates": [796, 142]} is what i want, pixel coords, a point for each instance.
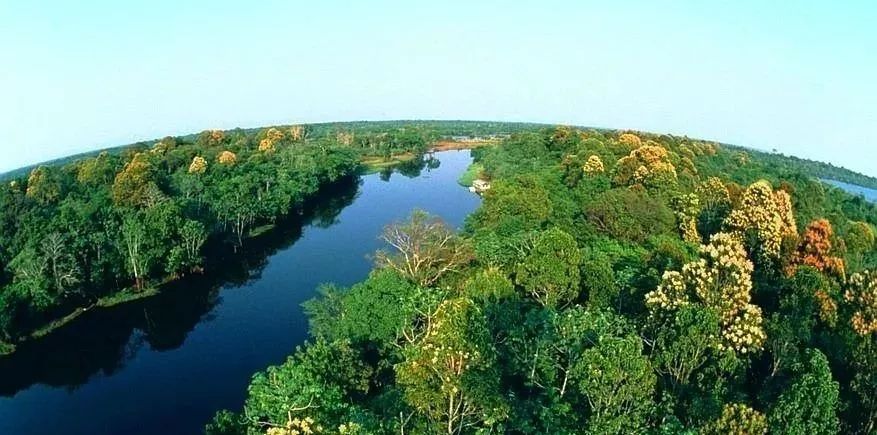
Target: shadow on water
{"type": "Point", "coordinates": [412, 168]}
{"type": "Point", "coordinates": [104, 340]}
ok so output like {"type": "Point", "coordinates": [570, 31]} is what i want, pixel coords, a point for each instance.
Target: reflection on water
{"type": "Point", "coordinates": [166, 364]}
{"type": "Point", "coordinates": [104, 339]}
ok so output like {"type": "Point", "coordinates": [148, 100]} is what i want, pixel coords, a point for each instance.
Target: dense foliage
{"type": "Point", "coordinates": [113, 226]}
{"type": "Point", "coordinates": [611, 282]}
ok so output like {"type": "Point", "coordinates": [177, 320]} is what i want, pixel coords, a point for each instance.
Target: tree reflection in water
{"type": "Point", "coordinates": [103, 340]}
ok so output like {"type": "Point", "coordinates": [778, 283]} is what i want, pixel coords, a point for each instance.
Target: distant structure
{"type": "Point", "coordinates": [486, 138]}
{"type": "Point", "coordinates": [479, 186]}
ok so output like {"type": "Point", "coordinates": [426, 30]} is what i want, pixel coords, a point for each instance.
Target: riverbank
{"type": "Point", "coordinates": [130, 295]}
{"type": "Point", "coordinates": [242, 315]}
{"type": "Point", "coordinates": [448, 145]}
{"type": "Point", "coordinates": [373, 164]}
{"type": "Point", "coordinates": [124, 296]}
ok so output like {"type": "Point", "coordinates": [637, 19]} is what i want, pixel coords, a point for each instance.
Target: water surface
{"type": "Point", "coordinates": [165, 365]}
{"type": "Point", "coordinates": [867, 193]}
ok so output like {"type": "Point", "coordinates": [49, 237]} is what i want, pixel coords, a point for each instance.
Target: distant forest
{"type": "Point", "coordinates": [479, 128]}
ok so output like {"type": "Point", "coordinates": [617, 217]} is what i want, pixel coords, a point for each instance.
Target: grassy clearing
{"type": "Point", "coordinates": [472, 173]}
{"type": "Point", "coordinates": [127, 295]}
{"type": "Point", "coordinates": [374, 164]}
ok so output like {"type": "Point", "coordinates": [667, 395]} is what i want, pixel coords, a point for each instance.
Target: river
{"type": "Point", "coordinates": [166, 364]}
{"type": "Point", "coordinates": [868, 194]}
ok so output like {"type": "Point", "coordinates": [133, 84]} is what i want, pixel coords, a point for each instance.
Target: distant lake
{"type": "Point", "coordinates": [869, 194]}
{"type": "Point", "coordinates": [165, 365]}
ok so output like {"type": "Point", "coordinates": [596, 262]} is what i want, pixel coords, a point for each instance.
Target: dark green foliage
{"type": "Point", "coordinates": [545, 329]}
{"type": "Point", "coordinates": [629, 215]}
{"type": "Point", "coordinates": [375, 310]}
{"type": "Point", "coordinates": [809, 405]}
{"type": "Point", "coordinates": [550, 270]}
{"type": "Point", "coordinates": [136, 217]}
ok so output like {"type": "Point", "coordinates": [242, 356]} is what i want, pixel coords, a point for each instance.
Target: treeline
{"type": "Point", "coordinates": [816, 169]}
{"type": "Point", "coordinates": [428, 130]}
{"type": "Point", "coordinates": [611, 282]}
{"type": "Point", "coordinates": [114, 225]}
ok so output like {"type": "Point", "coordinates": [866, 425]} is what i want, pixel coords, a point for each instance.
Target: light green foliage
{"type": "Point", "coordinates": [443, 341]}
{"type": "Point", "coordinates": [490, 284]}
{"type": "Point", "coordinates": [737, 419]}
{"type": "Point", "coordinates": [513, 206]}
{"type": "Point", "coordinates": [686, 342]}
{"type": "Point", "coordinates": [468, 354]}
{"type": "Point", "coordinates": [472, 173]}
{"type": "Point", "coordinates": [449, 376]}
{"type": "Point", "coordinates": [374, 310]}
{"type": "Point", "coordinates": [617, 381]}
{"type": "Point", "coordinates": [809, 405]}
{"type": "Point", "coordinates": [316, 381]}
{"type": "Point", "coordinates": [550, 271]}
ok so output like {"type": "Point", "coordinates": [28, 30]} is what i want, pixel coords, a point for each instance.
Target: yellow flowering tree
{"type": "Point", "coordinates": [722, 281]}
{"type": "Point", "coordinates": [43, 185]}
{"type": "Point", "coordinates": [737, 419]}
{"type": "Point", "coordinates": [630, 139]}
{"type": "Point", "coordinates": [763, 218]}
{"type": "Point", "coordinates": [296, 426]}
{"type": "Point", "coordinates": [648, 165]}
{"type": "Point", "coordinates": [266, 146]}
{"type": "Point", "coordinates": [449, 375]}
{"type": "Point", "coordinates": [135, 184]}
{"type": "Point", "coordinates": [687, 209]}
{"type": "Point", "coordinates": [272, 137]}
{"type": "Point", "coordinates": [297, 133]}
{"type": "Point", "coordinates": [227, 158]}
{"type": "Point", "coordinates": [198, 166]}
{"type": "Point", "coordinates": [713, 193]}
{"type": "Point", "coordinates": [344, 137]}
{"type": "Point", "coordinates": [211, 138]}
{"type": "Point", "coordinates": [593, 166]}
{"type": "Point", "coordinates": [715, 202]}
{"type": "Point", "coordinates": [861, 294]}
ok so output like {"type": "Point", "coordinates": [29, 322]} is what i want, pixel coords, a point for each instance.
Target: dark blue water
{"type": "Point", "coordinates": [869, 194]}
{"type": "Point", "coordinates": [165, 365]}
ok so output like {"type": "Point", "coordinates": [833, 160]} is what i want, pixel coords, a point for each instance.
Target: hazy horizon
{"type": "Point", "coordinates": [95, 75]}
{"type": "Point", "coordinates": [92, 149]}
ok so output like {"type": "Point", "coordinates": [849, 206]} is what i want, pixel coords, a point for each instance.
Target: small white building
{"type": "Point", "coordinates": [479, 186]}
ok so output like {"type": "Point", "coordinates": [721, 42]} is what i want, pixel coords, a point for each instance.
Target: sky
{"type": "Point", "coordinates": [799, 77]}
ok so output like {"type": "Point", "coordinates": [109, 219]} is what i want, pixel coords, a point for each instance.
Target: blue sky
{"type": "Point", "coordinates": [800, 77]}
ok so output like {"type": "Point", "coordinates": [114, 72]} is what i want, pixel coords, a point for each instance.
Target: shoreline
{"type": "Point", "coordinates": [127, 295]}
{"type": "Point", "coordinates": [370, 165]}
{"type": "Point", "coordinates": [377, 164]}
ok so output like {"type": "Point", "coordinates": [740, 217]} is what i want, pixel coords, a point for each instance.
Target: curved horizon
{"type": "Point", "coordinates": [82, 76]}
{"type": "Point", "coordinates": [93, 150]}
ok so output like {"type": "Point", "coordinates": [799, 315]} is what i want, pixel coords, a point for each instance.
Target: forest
{"type": "Point", "coordinates": [610, 282]}
{"type": "Point", "coordinates": [111, 227]}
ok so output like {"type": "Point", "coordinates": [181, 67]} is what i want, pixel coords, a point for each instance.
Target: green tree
{"type": "Point", "coordinates": [449, 377]}
{"type": "Point", "coordinates": [809, 405]}
{"type": "Point", "coordinates": [618, 382]}
{"type": "Point", "coordinates": [550, 271]}
{"type": "Point", "coordinates": [317, 382]}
